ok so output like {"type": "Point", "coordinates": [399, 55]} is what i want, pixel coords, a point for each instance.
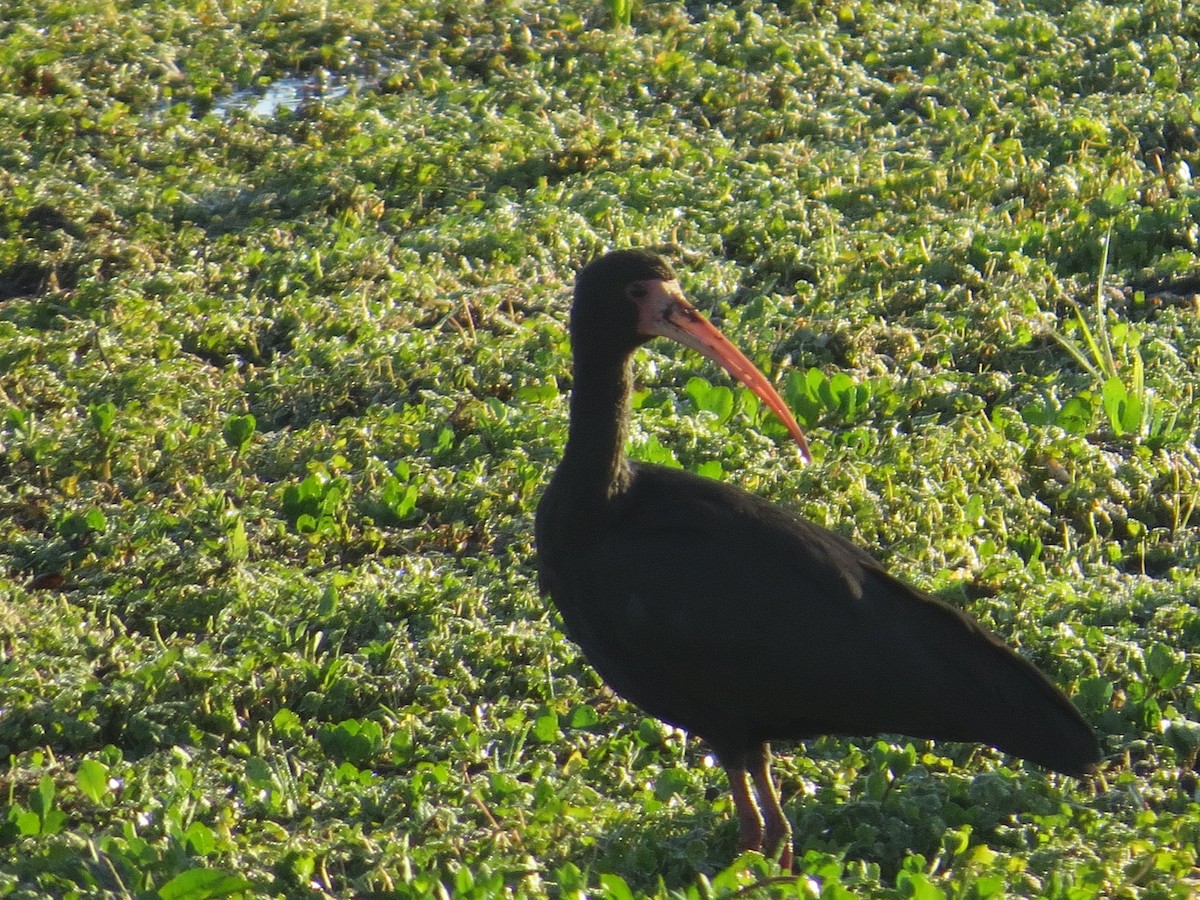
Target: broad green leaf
{"type": "Point", "coordinates": [29, 823]}
{"type": "Point", "coordinates": [545, 726]}
{"type": "Point", "coordinates": [615, 887]}
{"type": "Point", "coordinates": [238, 548]}
{"type": "Point", "coordinates": [92, 778]}
{"type": "Point", "coordinates": [583, 717]}
{"type": "Point", "coordinates": [802, 391]}
{"type": "Point", "coordinates": [1116, 400]}
{"type": "Point", "coordinates": [102, 415]}
{"type": "Point", "coordinates": [328, 603]}
{"type": "Point", "coordinates": [1075, 416]}
{"type": "Point", "coordinates": [1094, 693]}
{"type": "Point", "coordinates": [200, 838]}
{"type": "Point", "coordinates": [42, 801]}
{"type": "Point", "coordinates": [203, 884]}
{"type": "Point", "coordinates": [238, 431]}
{"type": "Point", "coordinates": [716, 399]}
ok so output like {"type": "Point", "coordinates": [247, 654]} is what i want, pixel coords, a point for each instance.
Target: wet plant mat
{"type": "Point", "coordinates": [283, 363]}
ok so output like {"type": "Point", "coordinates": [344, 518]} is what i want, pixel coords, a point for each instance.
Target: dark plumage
{"type": "Point", "coordinates": [728, 616]}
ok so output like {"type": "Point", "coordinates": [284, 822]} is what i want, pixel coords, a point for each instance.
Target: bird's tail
{"type": "Point", "coordinates": [977, 688]}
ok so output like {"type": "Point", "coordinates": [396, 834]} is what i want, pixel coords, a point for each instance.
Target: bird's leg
{"type": "Point", "coordinates": [777, 836]}
{"type": "Point", "coordinates": [750, 820]}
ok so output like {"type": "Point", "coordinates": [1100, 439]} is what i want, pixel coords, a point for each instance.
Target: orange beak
{"type": "Point", "coordinates": [665, 312]}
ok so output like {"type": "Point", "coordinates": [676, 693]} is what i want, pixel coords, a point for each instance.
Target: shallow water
{"type": "Point", "coordinates": [288, 93]}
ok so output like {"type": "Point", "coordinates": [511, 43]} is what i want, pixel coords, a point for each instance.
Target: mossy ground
{"type": "Point", "coordinates": [279, 394]}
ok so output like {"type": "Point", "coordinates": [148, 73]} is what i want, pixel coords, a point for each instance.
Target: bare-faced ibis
{"type": "Point", "coordinates": [736, 620]}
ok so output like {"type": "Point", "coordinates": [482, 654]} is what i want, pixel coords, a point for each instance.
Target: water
{"type": "Point", "coordinates": [288, 93]}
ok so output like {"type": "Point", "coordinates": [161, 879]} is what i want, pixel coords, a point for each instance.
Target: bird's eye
{"type": "Point", "coordinates": [637, 291]}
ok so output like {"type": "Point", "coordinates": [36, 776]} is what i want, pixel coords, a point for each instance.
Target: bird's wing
{"type": "Point", "coordinates": [725, 614]}
{"type": "Point", "coordinates": [705, 593]}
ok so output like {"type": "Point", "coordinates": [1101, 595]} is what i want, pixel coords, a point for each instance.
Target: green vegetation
{"type": "Point", "coordinates": [278, 395]}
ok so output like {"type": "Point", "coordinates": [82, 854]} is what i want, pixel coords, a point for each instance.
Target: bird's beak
{"type": "Point", "coordinates": [665, 312]}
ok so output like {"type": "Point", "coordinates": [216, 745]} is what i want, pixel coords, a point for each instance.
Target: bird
{"type": "Point", "coordinates": [721, 613]}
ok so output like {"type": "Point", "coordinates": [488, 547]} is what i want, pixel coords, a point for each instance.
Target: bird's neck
{"type": "Point", "coordinates": [595, 453]}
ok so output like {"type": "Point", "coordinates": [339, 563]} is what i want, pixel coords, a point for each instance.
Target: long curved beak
{"type": "Point", "coordinates": [665, 312]}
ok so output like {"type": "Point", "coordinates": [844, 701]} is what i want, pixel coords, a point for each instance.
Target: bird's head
{"type": "Point", "coordinates": [613, 296]}
{"type": "Point", "coordinates": [627, 297]}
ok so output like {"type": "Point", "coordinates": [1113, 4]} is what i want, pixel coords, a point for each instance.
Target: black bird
{"type": "Point", "coordinates": [736, 620]}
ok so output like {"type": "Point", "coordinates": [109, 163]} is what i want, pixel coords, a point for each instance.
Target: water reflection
{"type": "Point", "coordinates": [289, 93]}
